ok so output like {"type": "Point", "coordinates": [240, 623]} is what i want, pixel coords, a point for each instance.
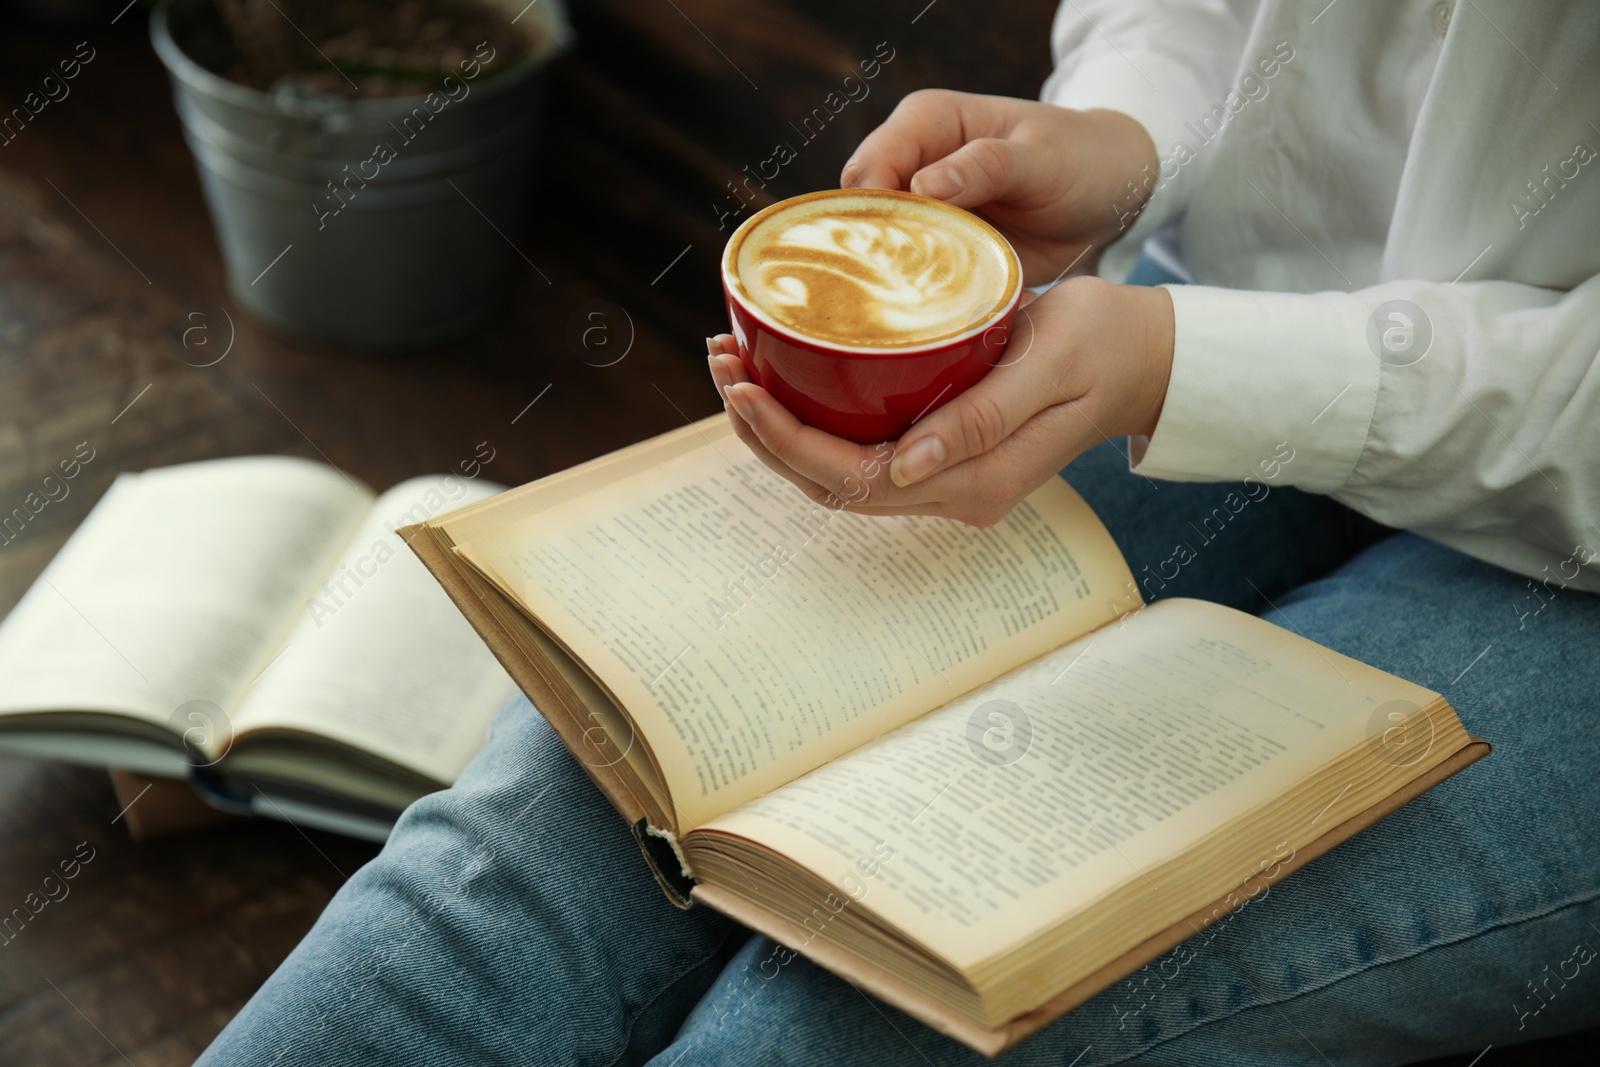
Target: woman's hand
{"type": "Point", "coordinates": [1056, 182]}
{"type": "Point", "coordinates": [1087, 361]}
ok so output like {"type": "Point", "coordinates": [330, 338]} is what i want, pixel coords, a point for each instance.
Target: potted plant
{"type": "Point", "coordinates": [365, 163]}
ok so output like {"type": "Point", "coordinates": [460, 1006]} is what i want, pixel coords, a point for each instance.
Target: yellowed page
{"type": "Point", "coordinates": [463, 524]}
{"type": "Point", "coordinates": [608, 737]}
{"type": "Point", "coordinates": [379, 658]}
{"type": "Point", "coordinates": [1028, 799]}
{"type": "Point", "coordinates": [178, 586]}
{"type": "Point", "coordinates": [754, 635]}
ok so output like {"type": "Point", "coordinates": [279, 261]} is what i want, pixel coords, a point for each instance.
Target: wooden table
{"type": "Point", "coordinates": [107, 258]}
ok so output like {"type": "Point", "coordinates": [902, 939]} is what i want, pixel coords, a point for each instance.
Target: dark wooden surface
{"type": "Point", "coordinates": [106, 259]}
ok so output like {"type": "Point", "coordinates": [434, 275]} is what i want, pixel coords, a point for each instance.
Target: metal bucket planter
{"type": "Point", "coordinates": [377, 224]}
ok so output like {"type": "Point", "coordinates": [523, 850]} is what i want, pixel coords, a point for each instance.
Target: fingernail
{"type": "Point", "coordinates": [708, 343]}
{"type": "Point", "coordinates": [741, 403]}
{"type": "Point", "coordinates": [941, 183]}
{"type": "Point", "coordinates": [917, 462]}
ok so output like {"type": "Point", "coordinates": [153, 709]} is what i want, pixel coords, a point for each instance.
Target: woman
{"type": "Point", "coordinates": [1390, 216]}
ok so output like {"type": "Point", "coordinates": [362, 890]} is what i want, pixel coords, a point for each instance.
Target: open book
{"type": "Point", "coordinates": [965, 768]}
{"type": "Point", "coordinates": [254, 624]}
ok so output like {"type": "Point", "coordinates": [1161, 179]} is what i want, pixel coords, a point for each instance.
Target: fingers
{"type": "Point", "coordinates": [851, 472]}
{"type": "Point", "coordinates": [840, 475]}
{"type": "Point", "coordinates": [777, 437]}
{"type": "Point", "coordinates": [978, 420]}
{"type": "Point", "coordinates": [722, 355]}
{"type": "Point", "coordinates": [734, 365]}
{"type": "Point", "coordinates": [857, 493]}
{"type": "Point", "coordinates": [850, 491]}
{"type": "Point", "coordinates": [716, 349]}
{"type": "Point", "coordinates": [719, 376]}
{"type": "Point", "coordinates": [817, 494]}
{"type": "Point", "coordinates": [984, 489]}
{"type": "Point", "coordinates": [890, 154]}
{"type": "Point", "coordinates": [984, 171]}
{"type": "Point", "coordinates": [727, 369]}
{"type": "Point", "coordinates": [927, 125]}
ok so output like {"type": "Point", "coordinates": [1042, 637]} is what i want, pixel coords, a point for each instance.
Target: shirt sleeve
{"type": "Point", "coordinates": [1162, 62]}
{"type": "Point", "coordinates": [1468, 413]}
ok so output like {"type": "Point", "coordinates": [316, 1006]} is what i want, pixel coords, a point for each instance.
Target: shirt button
{"type": "Point", "coordinates": [1441, 15]}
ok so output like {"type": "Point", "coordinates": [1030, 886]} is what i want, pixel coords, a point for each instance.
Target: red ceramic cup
{"type": "Point", "coordinates": [859, 392]}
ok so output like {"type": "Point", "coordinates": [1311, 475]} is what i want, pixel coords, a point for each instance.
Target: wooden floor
{"type": "Point", "coordinates": [106, 259]}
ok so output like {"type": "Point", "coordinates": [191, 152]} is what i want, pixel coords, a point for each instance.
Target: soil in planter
{"type": "Point", "coordinates": [357, 49]}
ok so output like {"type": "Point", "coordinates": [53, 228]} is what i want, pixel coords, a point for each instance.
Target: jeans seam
{"type": "Point", "coordinates": [1495, 928]}
{"type": "Point", "coordinates": [627, 1036]}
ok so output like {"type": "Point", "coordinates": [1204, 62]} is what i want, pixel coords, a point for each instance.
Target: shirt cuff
{"type": "Point", "coordinates": [1263, 385]}
{"type": "Point", "coordinates": [1113, 82]}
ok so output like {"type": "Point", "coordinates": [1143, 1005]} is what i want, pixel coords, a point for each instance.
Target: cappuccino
{"type": "Point", "coordinates": [873, 268]}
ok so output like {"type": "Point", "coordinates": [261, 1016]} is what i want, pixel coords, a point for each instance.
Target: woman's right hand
{"type": "Point", "coordinates": [1055, 181]}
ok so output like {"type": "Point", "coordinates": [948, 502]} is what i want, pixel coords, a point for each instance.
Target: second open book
{"type": "Point", "coordinates": [967, 769]}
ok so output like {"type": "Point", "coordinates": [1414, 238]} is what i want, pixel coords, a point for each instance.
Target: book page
{"type": "Point", "coordinates": [1033, 796]}
{"type": "Point", "coordinates": [177, 587]}
{"type": "Point", "coordinates": [379, 658]}
{"type": "Point", "coordinates": [753, 635]}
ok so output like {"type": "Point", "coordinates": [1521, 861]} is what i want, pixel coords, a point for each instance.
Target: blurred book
{"type": "Point", "coordinates": [149, 807]}
{"type": "Point", "coordinates": [256, 626]}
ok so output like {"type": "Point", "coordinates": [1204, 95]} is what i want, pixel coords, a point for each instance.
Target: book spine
{"type": "Point", "coordinates": [667, 861]}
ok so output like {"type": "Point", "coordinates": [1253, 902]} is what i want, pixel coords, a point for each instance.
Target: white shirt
{"type": "Point", "coordinates": [1329, 160]}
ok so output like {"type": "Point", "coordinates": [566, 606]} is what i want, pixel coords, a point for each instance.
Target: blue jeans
{"type": "Point", "coordinates": [511, 919]}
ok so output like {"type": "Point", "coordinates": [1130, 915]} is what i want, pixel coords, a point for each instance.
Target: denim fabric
{"type": "Point", "coordinates": [511, 920]}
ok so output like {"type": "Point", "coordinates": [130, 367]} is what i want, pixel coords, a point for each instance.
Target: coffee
{"type": "Point", "coordinates": [873, 268]}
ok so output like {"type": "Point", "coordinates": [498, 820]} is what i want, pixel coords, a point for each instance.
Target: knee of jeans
{"type": "Point", "coordinates": [762, 994]}
{"type": "Point", "coordinates": [521, 761]}
{"type": "Point", "coordinates": [521, 809]}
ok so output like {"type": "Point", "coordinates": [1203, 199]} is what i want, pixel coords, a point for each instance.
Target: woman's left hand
{"type": "Point", "coordinates": [1087, 361]}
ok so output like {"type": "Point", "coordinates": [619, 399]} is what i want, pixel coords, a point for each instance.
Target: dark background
{"type": "Point", "coordinates": [107, 256]}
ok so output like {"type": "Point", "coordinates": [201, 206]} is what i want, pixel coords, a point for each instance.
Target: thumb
{"type": "Point", "coordinates": [972, 423]}
{"type": "Point", "coordinates": [980, 172]}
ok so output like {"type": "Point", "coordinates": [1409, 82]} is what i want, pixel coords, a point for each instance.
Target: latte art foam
{"type": "Point", "coordinates": [874, 270]}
